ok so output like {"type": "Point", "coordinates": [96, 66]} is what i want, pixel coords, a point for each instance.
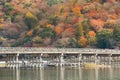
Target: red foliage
{"type": "Point", "coordinates": [70, 29]}
{"type": "Point", "coordinates": [93, 13]}
{"type": "Point", "coordinates": [75, 20]}
{"type": "Point", "coordinates": [117, 11]}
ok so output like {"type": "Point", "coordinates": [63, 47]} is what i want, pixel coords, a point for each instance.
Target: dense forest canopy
{"type": "Point", "coordinates": [60, 23]}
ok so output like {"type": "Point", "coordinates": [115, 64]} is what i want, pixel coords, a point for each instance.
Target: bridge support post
{"type": "Point", "coordinates": [79, 58]}
{"type": "Point", "coordinates": [41, 61]}
{"type": "Point", "coordinates": [110, 59]}
{"type": "Point", "coordinates": [61, 59]}
{"type": "Point", "coordinates": [17, 60]}
{"type": "Point", "coordinates": [96, 59]}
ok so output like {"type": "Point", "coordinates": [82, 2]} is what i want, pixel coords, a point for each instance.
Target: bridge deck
{"type": "Point", "coordinates": [25, 50]}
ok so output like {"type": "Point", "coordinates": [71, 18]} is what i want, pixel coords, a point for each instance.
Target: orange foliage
{"type": "Point", "coordinates": [30, 33]}
{"type": "Point", "coordinates": [82, 41]}
{"type": "Point", "coordinates": [93, 13]}
{"type": "Point", "coordinates": [76, 10]}
{"type": "Point", "coordinates": [97, 24]}
{"type": "Point", "coordinates": [113, 16]}
{"type": "Point", "coordinates": [65, 13]}
{"type": "Point", "coordinates": [48, 25]}
{"type": "Point", "coordinates": [91, 33]}
{"type": "Point", "coordinates": [58, 30]}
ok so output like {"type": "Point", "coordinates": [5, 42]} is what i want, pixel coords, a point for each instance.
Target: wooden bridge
{"type": "Point", "coordinates": [15, 56]}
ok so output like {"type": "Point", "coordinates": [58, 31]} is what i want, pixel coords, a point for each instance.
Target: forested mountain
{"type": "Point", "coordinates": [60, 23]}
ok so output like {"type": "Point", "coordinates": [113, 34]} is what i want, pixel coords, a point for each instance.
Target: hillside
{"type": "Point", "coordinates": [60, 23]}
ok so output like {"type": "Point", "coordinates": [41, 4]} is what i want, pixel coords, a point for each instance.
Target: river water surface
{"type": "Point", "coordinates": [60, 73]}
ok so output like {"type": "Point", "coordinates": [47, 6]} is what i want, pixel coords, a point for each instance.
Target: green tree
{"type": "Point", "coordinates": [30, 20]}
{"type": "Point", "coordinates": [48, 32]}
{"type": "Point", "coordinates": [86, 26]}
{"type": "Point", "coordinates": [116, 33]}
{"type": "Point", "coordinates": [53, 2]}
{"type": "Point", "coordinates": [53, 19]}
{"type": "Point", "coordinates": [79, 31]}
{"type": "Point", "coordinates": [7, 7]}
{"type": "Point", "coordinates": [73, 43]}
{"type": "Point", "coordinates": [104, 38]}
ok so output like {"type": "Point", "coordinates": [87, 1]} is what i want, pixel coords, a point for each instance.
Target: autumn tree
{"type": "Point", "coordinates": [58, 30]}
{"type": "Point", "coordinates": [97, 24]}
{"type": "Point", "coordinates": [30, 20]}
{"type": "Point", "coordinates": [91, 38]}
{"type": "Point", "coordinates": [76, 10]}
{"type": "Point", "coordinates": [82, 42]}
{"type": "Point", "coordinates": [30, 33]}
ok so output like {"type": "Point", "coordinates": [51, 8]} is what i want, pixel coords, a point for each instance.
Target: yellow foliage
{"type": "Point", "coordinates": [37, 39]}
{"type": "Point", "coordinates": [2, 26]}
{"type": "Point", "coordinates": [30, 15]}
{"type": "Point", "coordinates": [30, 33]}
{"type": "Point", "coordinates": [31, 20]}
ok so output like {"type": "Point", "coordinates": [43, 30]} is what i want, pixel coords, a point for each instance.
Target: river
{"type": "Point", "coordinates": [60, 73]}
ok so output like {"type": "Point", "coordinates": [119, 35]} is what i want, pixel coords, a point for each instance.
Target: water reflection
{"type": "Point", "coordinates": [80, 73]}
{"type": "Point", "coordinates": [41, 74]}
{"type": "Point", "coordinates": [17, 73]}
{"type": "Point", "coordinates": [60, 73]}
{"type": "Point", "coordinates": [96, 73]}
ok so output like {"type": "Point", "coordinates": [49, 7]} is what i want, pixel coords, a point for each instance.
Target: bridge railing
{"type": "Point", "coordinates": [56, 50]}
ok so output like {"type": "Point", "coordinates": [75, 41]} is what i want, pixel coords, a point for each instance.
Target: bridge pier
{"type": "Point", "coordinates": [79, 59]}
{"type": "Point", "coordinates": [96, 59]}
{"type": "Point", "coordinates": [40, 60]}
{"type": "Point", "coordinates": [17, 60]}
{"type": "Point", "coordinates": [110, 59]}
{"type": "Point", "coordinates": [61, 59]}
